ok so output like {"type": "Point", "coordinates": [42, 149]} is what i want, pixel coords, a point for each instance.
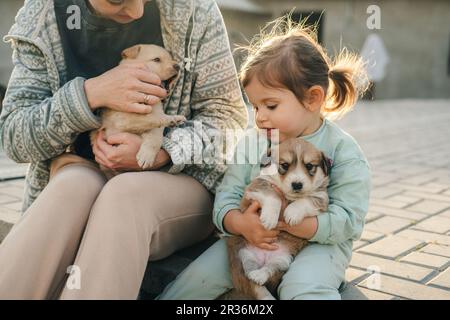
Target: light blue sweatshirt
{"type": "Point", "coordinates": [348, 190]}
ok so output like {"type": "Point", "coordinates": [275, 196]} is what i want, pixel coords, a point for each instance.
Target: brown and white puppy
{"type": "Point", "coordinates": [302, 178]}
{"type": "Point", "coordinates": [149, 126]}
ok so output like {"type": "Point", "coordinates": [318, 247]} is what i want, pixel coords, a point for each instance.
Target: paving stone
{"type": "Point", "coordinates": [375, 295]}
{"type": "Point", "coordinates": [425, 189]}
{"type": "Point", "coordinates": [9, 216]}
{"type": "Point", "coordinates": [16, 206]}
{"type": "Point", "coordinates": [446, 213]}
{"type": "Point", "coordinates": [424, 236]}
{"type": "Point", "coordinates": [359, 244]}
{"type": "Point", "coordinates": [392, 247]}
{"type": "Point", "coordinates": [384, 192]}
{"type": "Point", "coordinates": [388, 225]}
{"type": "Point", "coordinates": [417, 180]}
{"type": "Point", "coordinates": [388, 203]}
{"type": "Point", "coordinates": [405, 199]}
{"type": "Point", "coordinates": [359, 293]}
{"type": "Point", "coordinates": [437, 249]}
{"type": "Point", "coordinates": [429, 206]}
{"type": "Point", "coordinates": [426, 260]}
{"type": "Point", "coordinates": [442, 280]}
{"type": "Point", "coordinates": [371, 236]}
{"type": "Point", "coordinates": [382, 180]}
{"type": "Point", "coordinates": [408, 289]}
{"type": "Point", "coordinates": [355, 275]}
{"type": "Point", "coordinates": [370, 216]}
{"type": "Point", "coordinates": [14, 191]}
{"type": "Point", "coordinates": [401, 213]}
{"type": "Point", "coordinates": [434, 224]}
{"type": "Point", "coordinates": [389, 267]}
{"type": "Point", "coordinates": [428, 196]}
{"type": "Point", "coordinates": [6, 198]}
{"type": "Point", "coordinates": [436, 186]}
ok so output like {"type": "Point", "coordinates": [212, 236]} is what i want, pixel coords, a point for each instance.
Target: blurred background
{"type": "Point", "coordinates": [406, 41]}
{"type": "Point", "coordinates": [402, 125]}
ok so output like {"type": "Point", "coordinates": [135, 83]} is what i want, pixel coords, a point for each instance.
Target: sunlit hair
{"type": "Point", "coordinates": [287, 55]}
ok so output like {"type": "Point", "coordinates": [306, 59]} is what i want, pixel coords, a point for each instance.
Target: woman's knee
{"type": "Point", "coordinates": [76, 183]}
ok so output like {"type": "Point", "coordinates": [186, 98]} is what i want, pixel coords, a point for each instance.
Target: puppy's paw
{"type": "Point", "coordinates": [176, 120]}
{"type": "Point", "coordinates": [145, 158]}
{"type": "Point", "coordinates": [293, 215]}
{"type": "Point", "coordinates": [259, 276]}
{"type": "Point", "coordinates": [269, 215]}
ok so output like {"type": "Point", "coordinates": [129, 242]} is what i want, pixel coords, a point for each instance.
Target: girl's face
{"type": "Point", "coordinates": [279, 108]}
{"type": "Point", "coordinates": [121, 11]}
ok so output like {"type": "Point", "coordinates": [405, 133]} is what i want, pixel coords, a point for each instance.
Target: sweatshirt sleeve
{"type": "Point", "coordinates": [35, 124]}
{"type": "Point", "coordinates": [349, 193]}
{"type": "Point", "coordinates": [230, 191]}
{"type": "Point", "coordinates": [216, 101]}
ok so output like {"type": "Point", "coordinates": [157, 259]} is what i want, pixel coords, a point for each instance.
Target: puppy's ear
{"type": "Point", "coordinates": [326, 164]}
{"type": "Point", "coordinates": [132, 52]}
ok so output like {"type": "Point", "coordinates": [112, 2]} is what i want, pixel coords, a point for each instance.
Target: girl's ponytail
{"type": "Point", "coordinates": [348, 80]}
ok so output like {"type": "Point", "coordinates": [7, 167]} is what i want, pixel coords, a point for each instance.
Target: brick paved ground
{"type": "Point", "coordinates": [404, 252]}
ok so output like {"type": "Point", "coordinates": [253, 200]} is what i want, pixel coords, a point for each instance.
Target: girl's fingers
{"type": "Point", "coordinates": [270, 240]}
{"type": "Point", "coordinates": [271, 233]}
{"type": "Point", "coordinates": [267, 246]}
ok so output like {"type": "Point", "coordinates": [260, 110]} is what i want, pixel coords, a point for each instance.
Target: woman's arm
{"type": "Point", "coordinates": [35, 124]}
{"type": "Point", "coordinates": [216, 99]}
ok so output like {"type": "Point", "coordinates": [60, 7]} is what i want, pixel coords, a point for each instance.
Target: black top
{"type": "Point", "coordinates": [96, 46]}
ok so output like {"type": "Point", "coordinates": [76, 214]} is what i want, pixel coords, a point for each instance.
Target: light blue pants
{"type": "Point", "coordinates": [316, 273]}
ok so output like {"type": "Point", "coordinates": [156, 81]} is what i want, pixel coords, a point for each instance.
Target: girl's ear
{"type": "Point", "coordinates": [315, 97]}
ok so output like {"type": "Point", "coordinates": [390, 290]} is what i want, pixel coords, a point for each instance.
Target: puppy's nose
{"type": "Point", "coordinates": [176, 66]}
{"type": "Point", "coordinates": [297, 186]}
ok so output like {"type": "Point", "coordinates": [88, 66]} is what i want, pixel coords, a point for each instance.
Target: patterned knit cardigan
{"type": "Point", "coordinates": [43, 113]}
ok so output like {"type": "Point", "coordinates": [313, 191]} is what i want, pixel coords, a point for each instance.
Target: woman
{"type": "Point", "coordinates": [109, 230]}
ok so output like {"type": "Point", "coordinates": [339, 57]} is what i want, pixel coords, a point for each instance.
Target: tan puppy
{"type": "Point", "coordinates": [302, 178]}
{"type": "Point", "coordinates": [149, 126]}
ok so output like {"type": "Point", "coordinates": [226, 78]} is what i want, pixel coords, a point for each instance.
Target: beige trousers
{"type": "Point", "coordinates": [107, 232]}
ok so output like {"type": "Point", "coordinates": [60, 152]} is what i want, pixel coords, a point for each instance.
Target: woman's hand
{"type": "Point", "coordinates": [248, 224]}
{"type": "Point", "coordinates": [118, 152]}
{"type": "Point", "coordinates": [124, 88]}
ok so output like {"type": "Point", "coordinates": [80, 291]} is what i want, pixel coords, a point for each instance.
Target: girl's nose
{"type": "Point", "coordinates": [260, 116]}
{"type": "Point", "coordinates": [135, 9]}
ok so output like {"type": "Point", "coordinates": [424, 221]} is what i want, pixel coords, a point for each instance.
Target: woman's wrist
{"type": "Point", "coordinates": [91, 95]}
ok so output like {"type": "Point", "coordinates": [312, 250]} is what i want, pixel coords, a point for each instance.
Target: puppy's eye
{"type": "Point", "coordinates": [157, 60]}
{"type": "Point", "coordinates": [309, 166]}
{"type": "Point", "coordinates": [284, 166]}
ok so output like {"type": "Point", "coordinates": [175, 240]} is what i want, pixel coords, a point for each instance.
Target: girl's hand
{"type": "Point", "coordinates": [124, 88]}
{"type": "Point", "coordinates": [305, 229]}
{"type": "Point", "coordinates": [250, 227]}
{"type": "Point", "coordinates": [118, 152]}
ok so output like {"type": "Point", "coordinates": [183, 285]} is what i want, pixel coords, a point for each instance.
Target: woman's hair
{"type": "Point", "coordinates": [287, 54]}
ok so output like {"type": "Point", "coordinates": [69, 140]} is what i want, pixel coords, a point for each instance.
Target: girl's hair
{"type": "Point", "coordinates": [289, 55]}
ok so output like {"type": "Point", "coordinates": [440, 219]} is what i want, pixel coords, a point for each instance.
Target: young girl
{"type": "Point", "coordinates": [295, 88]}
